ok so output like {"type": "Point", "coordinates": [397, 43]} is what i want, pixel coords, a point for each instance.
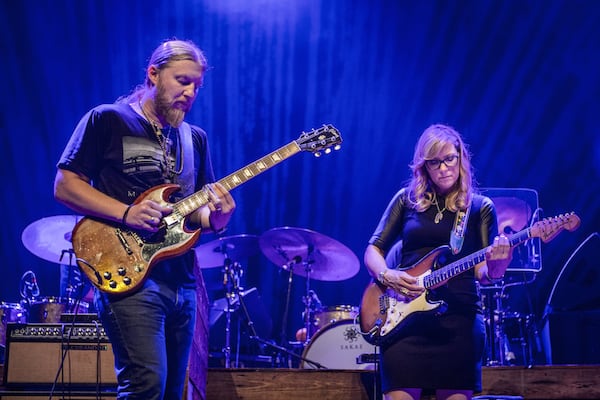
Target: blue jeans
{"type": "Point", "coordinates": [151, 335]}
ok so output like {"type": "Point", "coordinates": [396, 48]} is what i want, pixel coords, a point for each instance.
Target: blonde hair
{"type": "Point", "coordinates": [421, 193]}
{"type": "Point", "coordinates": [168, 51]}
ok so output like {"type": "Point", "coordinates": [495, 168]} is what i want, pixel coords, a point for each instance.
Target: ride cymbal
{"type": "Point", "coordinates": [308, 253]}
{"type": "Point", "coordinates": [50, 238]}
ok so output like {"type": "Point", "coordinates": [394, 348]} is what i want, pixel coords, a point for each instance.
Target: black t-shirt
{"type": "Point", "coordinates": [420, 235]}
{"type": "Point", "coordinates": [118, 150]}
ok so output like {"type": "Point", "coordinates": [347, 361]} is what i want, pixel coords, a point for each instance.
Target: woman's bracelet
{"type": "Point", "coordinates": [490, 279]}
{"type": "Point", "coordinates": [381, 276]}
{"type": "Point", "coordinates": [124, 219]}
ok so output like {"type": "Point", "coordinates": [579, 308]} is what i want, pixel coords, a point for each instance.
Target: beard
{"type": "Point", "coordinates": [172, 112]}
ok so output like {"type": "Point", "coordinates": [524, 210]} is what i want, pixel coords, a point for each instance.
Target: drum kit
{"type": "Point", "coordinates": [329, 337]}
{"type": "Point", "coordinates": [300, 253]}
{"type": "Point", "coordinates": [49, 239]}
{"type": "Point", "coordinates": [512, 334]}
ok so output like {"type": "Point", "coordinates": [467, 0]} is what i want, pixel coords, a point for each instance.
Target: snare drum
{"type": "Point", "coordinates": [330, 314]}
{"type": "Point", "coordinates": [10, 312]}
{"type": "Point", "coordinates": [340, 346]}
{"type": "Point", "coordinates": [49, 309]}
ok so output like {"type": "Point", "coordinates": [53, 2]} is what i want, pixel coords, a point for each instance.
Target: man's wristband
{"type": "Point", "coordinates": [124, 218]}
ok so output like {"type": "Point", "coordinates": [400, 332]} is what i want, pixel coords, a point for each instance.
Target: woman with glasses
{"type": "Point", "coordinates": [439, 351]}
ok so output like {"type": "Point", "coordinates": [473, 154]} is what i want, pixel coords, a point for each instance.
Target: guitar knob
{"type": "Point", "coordinates": [127, 280]}
{"type": "Point", "coordinates": [121, 271]}
{"type": "Point", "coordinates": [112, 284]}
{"type": "Point", "coordinates": [107, 275]}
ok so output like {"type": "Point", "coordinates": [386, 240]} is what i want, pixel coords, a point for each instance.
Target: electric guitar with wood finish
{"type": "Point", "coordinates": [384, 313]}
{"type": "Point", "coordinates": [117, 259]}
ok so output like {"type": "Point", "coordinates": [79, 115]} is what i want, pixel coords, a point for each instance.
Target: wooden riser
{"type": "Point", "coordinates": [571, 382]}
{"type": "Point", "coordinates": [540, 382]}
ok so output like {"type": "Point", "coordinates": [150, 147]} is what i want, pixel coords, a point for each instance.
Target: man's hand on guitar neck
{"type": "Point", "coordinates": [146, 215]}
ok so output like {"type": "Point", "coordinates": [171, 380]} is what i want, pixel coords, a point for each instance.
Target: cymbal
{"type": "Point", "coordinates": [308, 253]}
{"type": "Point", "coordinates": [235, 248]}
{"type": "Point", "coordinates": [49, 238]}
{"type": "Point", "coordinates": [513, 214]}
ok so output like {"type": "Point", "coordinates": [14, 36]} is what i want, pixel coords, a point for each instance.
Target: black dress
{"type": "Point", "coordinates": [437, 352]}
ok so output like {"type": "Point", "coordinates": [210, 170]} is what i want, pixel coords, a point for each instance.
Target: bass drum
{"type": "Point", "coordinates": [339, 345]}
{"type": "Point", "coordinates": [49, 309]}
{"type": "Point", "coordinates": [10, 312]}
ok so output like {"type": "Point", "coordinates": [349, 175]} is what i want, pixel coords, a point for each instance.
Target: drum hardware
{"type": "Point", "coordinates": [311, 255]}
{"type": "Point", "coordinates": [29, 288]}
{"type": "Point", "coordinates": [50, 239]}
{"type": "Point", "coordinates": [225, 253]}
{"type": "Point", "coordinates": [510, 335]}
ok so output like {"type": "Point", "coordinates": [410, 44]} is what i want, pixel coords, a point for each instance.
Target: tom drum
{"type": "Point", "coordinates": [330, 314]}
{"type": "Point", "coordinates": [49, 309]}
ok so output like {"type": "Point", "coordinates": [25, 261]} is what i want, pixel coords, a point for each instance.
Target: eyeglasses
{"type": "Point", "coordinates": [449, 161]}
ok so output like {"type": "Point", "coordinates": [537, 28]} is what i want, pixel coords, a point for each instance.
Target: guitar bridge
{"type": "Point", "coordinates": [124, 243]}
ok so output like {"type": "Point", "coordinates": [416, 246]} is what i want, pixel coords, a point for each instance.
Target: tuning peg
{"type": "Point", "coordinates": [317, 154]}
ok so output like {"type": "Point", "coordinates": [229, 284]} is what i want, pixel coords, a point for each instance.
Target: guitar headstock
{"type": "Point", "coordinates": [548, 228]}
{"type": "Point", "coordinates": [321, 139]}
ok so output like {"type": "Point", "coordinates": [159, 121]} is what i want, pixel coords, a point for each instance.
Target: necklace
{"type": "Point", "coordinates": [165, 145]}
{"type": "Point", "coordinates": [440, 213]}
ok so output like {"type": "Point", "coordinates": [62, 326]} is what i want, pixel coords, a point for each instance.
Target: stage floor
{"type": "Point", "coordinates": [571, 382]}
{"type": "Point", "coordinates": [536, 383]}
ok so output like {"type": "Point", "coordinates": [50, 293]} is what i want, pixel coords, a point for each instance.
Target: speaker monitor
{"type": "Point", "coordinates": [34, 355]}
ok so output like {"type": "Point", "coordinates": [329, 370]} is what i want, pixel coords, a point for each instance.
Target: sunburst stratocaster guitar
{"type": "Point", "coordinates": [383, 313]}
{"type": "Point", "coordinates": [117, 259]}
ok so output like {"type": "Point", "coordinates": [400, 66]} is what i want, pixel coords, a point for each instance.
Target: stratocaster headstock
{"type": "Point", "coordinates": [548, 228]}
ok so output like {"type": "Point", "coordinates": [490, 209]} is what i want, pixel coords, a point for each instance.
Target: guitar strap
{"type": "Point", "coordinates": [186, 178]}
{"type": "Point", "coordinates": [457, 237]}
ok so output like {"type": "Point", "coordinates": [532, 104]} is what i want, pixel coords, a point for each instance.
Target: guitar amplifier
{"type": "Point", "coordinates": [63, 354]}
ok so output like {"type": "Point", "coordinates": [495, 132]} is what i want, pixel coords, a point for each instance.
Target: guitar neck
{"type": "Point", "coordinates": [201, 198]}
{"type": "Point", "coordinates": [455, 268]}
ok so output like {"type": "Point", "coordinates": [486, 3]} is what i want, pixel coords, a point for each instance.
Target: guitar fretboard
{"type": "Point", "coordinates": [200, 198]}
{"type": "Point", "coordinates": [441, 275]}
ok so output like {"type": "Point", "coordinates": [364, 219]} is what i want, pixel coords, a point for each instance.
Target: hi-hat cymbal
{"type": "Point", "coordinates": [308, 253]}
{"type": "Point", "coordinates": [50, 238]}
{"type": "Point", "coordinates": [235, 248]}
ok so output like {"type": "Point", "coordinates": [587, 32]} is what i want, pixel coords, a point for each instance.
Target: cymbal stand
{"type": "Point", "coordinates": [69, 289]}
{"type": "Point", "coordinates": [232, 272]}
{"type": "Point", "coordinates": [308, 299]}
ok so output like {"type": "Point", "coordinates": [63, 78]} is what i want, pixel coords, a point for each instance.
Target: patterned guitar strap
{"type": "Point", "coordinates": [457, 236]}
{"type": "Point", "coordinates": [186, 179]}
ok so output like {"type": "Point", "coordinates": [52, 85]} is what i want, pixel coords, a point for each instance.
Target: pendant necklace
{"type": "Point", "coordinates": [165, 145]}
{"type": "Point", "coordinates": [440, 213]}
